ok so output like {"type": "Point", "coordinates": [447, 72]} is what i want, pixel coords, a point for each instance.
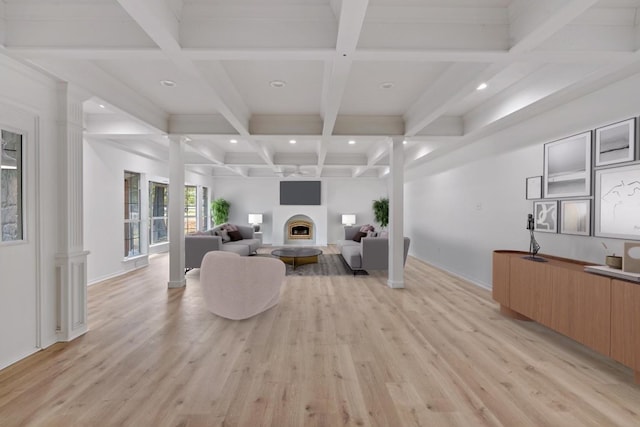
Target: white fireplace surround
{"type": "Point", "coordinates": [281, 215]}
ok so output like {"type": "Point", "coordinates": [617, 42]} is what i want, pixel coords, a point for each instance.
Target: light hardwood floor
{"type": "Point", "coordinates": [335, 351]}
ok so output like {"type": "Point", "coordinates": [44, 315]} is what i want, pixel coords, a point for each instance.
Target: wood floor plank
{"type": "Point", "coordinates": [335, 351]}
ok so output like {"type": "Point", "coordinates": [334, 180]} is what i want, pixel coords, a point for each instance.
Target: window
{"type": "Point", "coordinates": [204, 209]}
{"type": "Point", "coordinates": [11, 221]}
{"type": "Point", "coordinates": [131, 214]}
{"type": "Point", "coordinates": [158, 212]}
{"type": "Point", "coordinates": [190, 209]}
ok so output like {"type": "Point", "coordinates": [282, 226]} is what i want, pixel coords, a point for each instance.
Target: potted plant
{"type": "Point", "coordinates": [381, 211]}
{"type": "Point", "coordinates": [220, 211]}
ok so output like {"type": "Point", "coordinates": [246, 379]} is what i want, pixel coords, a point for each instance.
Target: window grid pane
{"type": "Point", "coordinates": [11, 217]}
{"type": "Point", "coordinates": [159, 212]}
{"type": "Point", "coordinates": [190, 209]}
{"type": "Point", "coordinates": [132, 214]}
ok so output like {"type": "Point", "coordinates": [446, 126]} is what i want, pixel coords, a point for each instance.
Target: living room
{"type": "Point", "coordinates": [339, 349]}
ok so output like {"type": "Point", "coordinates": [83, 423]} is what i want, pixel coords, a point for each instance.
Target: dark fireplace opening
{"type": "Point", "coordinates": [299, 229]}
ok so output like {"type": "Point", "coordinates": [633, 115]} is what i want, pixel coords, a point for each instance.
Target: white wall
{"type": "Point", "coordinates": [462, 206]}
{"type": "Point", "coordinates": [340, 195]}
{"type": "Point", "coordinates": [104, 166]}
{"type": "Point", "coordinates": [33, 93]}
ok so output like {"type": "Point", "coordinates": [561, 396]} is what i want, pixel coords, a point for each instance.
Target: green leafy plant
{"type": "Point", "coordinates": [381, 211]}
{"type": "Point", "coordinates": [220, 211]}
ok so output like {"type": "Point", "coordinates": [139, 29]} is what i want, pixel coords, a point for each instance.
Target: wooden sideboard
{"type": "Point", "coordinates": [600, 312]}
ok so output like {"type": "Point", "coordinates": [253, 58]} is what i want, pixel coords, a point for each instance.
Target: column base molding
{"type": "Point", "coordinates": [395, 284]}
{"type": "Point", "coordinates": [71, 292]}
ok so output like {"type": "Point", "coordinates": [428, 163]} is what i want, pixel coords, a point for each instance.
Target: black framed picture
{"type": "Point", "coordinates": [534, 187]}
{"type": "Point", "coordinates": [616, 143]}
{"type": "Point", "coordinates": [575, 217]}
{"type": "Point", "coordinates": [617, 212]}
{"type": "Point", "coordinates": [567, 167]}
{"type": "Point", "coordinates": [545, 215]}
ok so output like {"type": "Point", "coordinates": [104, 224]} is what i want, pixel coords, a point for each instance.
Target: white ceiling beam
{"type": "Point", "coordinates": [161, 25]}
{"type": "Point", "coordinates": [3, 23]}
{"type": "Point", "coordinates": [263, 151]}
{"type": "Point", "coordinates": [323, 147]}
{"type": "Point", "coordinates": [92, 78]}
{"type": "Point", "coordinates": [216, 156]}
{"type": "Point", "coordinates": [370, 55]}
{"type": "Point", "coordinates": [534, 22]}
{"type": "Point", "coordinates": [352, 15]}
{"type": "Point", "coordinates": [456, 82]}
{"type": "Point", "coordinates": [90, 53]}
{"type": "Point", "coordinates": [266, 54]}
{"type": "Point", "coordinates": [207, 150]}
{"type": "Point", "coordinates": [377, 152]}
{"type": "Point", "coordinates": [157, 20]}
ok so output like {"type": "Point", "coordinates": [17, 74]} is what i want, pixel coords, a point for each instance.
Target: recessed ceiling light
{"type": "Point", "coordinates": [233, 141]}
{"type": "Point", "coordinates": [168, 83]}
{"type": "Point", "coordinates": [292, 141]}
{"type": "Point", "coordinates": [386, 85]}
{"type": "Point", "coordinates": [351, 142]}
{"type": "Point", "coordinates": [404, 142]}
{"type": "Point", "coordinates": [482, 86]}
{"type": "Point", "coordinates": [277, 83]}
{"type": "Point", "coordinates": [101, 106]}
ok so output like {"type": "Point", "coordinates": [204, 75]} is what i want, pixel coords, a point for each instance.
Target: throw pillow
{"type": "Point", "coordinates": [359, 235]}
{"type": "Point", "coordinates": [224, 234]}
{"type": "Point", "coordinates": [367, 227]}
{"type": "Point", "coordinates": [234, 235]}
{"type": "Point", "coordinates": [372, 234]}
{"type": "Point", "coordinates": [231, 227]}
{"type": "Point", "coordinates": [384, 234]}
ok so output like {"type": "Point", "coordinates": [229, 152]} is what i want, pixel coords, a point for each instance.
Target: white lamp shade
{"type": "Point", "coordinates": [348, 219]}
{"type": "Point", "coordinates": [255, 218]}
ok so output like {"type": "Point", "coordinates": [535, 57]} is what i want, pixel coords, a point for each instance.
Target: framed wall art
{"type": "Point", "coordinates": [575, 217]}
{"type": "Point", "coordinates": [567, 167]}
{"type": "Point", "coordinates": [617, 199]}
{"type": "Point", "coordinates": [534, 187]}
{"type": "Point", "coordinates": [616, 143]}
{"type": "Point", "coordinates": [545, 214]}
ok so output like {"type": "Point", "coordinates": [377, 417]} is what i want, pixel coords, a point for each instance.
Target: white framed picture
{"type": "Point", "coordinates": [575, 217]}
{"type": "Point", "coordinates": [534, 187]}
{"type": "Point", "coordinates": [545, 215]}
{"type": "Point", "coordinates": [616, 143]}
{"type": "Point", "coordinates": [617, 212]}
{"type": "Point", "coordinates": [567, 167]}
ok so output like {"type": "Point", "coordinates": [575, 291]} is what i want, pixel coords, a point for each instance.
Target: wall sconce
{"type": "Point", "coordinates": [348, 219]}
{"type": "Point", "coordinates": [255, 220]}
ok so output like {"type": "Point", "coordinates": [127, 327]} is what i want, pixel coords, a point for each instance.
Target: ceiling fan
{"type": "Point", "coordinates": [297, 172]}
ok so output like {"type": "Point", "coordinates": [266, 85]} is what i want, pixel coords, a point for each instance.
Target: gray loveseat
{"type": "Point", "coordinates": [197, 245]}
{"type": "Point", "coordinates": [371, 253]}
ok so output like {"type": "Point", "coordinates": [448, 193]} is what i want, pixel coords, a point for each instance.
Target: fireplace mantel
{"type": "Point", "coordinates": [281, 215]}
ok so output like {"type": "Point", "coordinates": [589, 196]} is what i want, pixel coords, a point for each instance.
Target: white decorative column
{"type": "Point", "coordinates": [396, 211]}
{"type": "Point", "coordinates": [71, 259]}
{"type": "Point", "coordinates": [176, 212]}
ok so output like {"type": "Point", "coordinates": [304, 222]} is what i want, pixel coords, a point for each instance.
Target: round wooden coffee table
{"type": "Point", "coordinates": [297, 256]}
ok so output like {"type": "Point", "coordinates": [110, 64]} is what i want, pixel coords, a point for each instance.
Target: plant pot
{"type": "Point", "coordinates": [614, 261]}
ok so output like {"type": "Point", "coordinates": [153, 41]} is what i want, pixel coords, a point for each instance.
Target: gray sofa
{"type": "Point", "coordinates": [371, 253]}
{"type": "Point", "coordinates": [197, 245]}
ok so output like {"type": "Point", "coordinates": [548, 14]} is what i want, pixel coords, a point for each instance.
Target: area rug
{"type": "Point", "coordinates": [328, 265]}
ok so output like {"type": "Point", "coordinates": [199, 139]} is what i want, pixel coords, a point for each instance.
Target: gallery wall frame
{"type": "Point", "coordinates": [567, 167]}
{"type": "Point", "coordinates": [545, 214]}
{"type": "Point", "coordinates": [617, 202]}
{"type": "Point", "coordinates": [615, 143]}
{"type": "Point", "coordinates": [575, 217]}
{"type": "Point", "coordinates": [534, 187]}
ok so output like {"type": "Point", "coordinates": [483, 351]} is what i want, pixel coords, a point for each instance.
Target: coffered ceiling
{"type": "Point", "coordinates": [320, 72]}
